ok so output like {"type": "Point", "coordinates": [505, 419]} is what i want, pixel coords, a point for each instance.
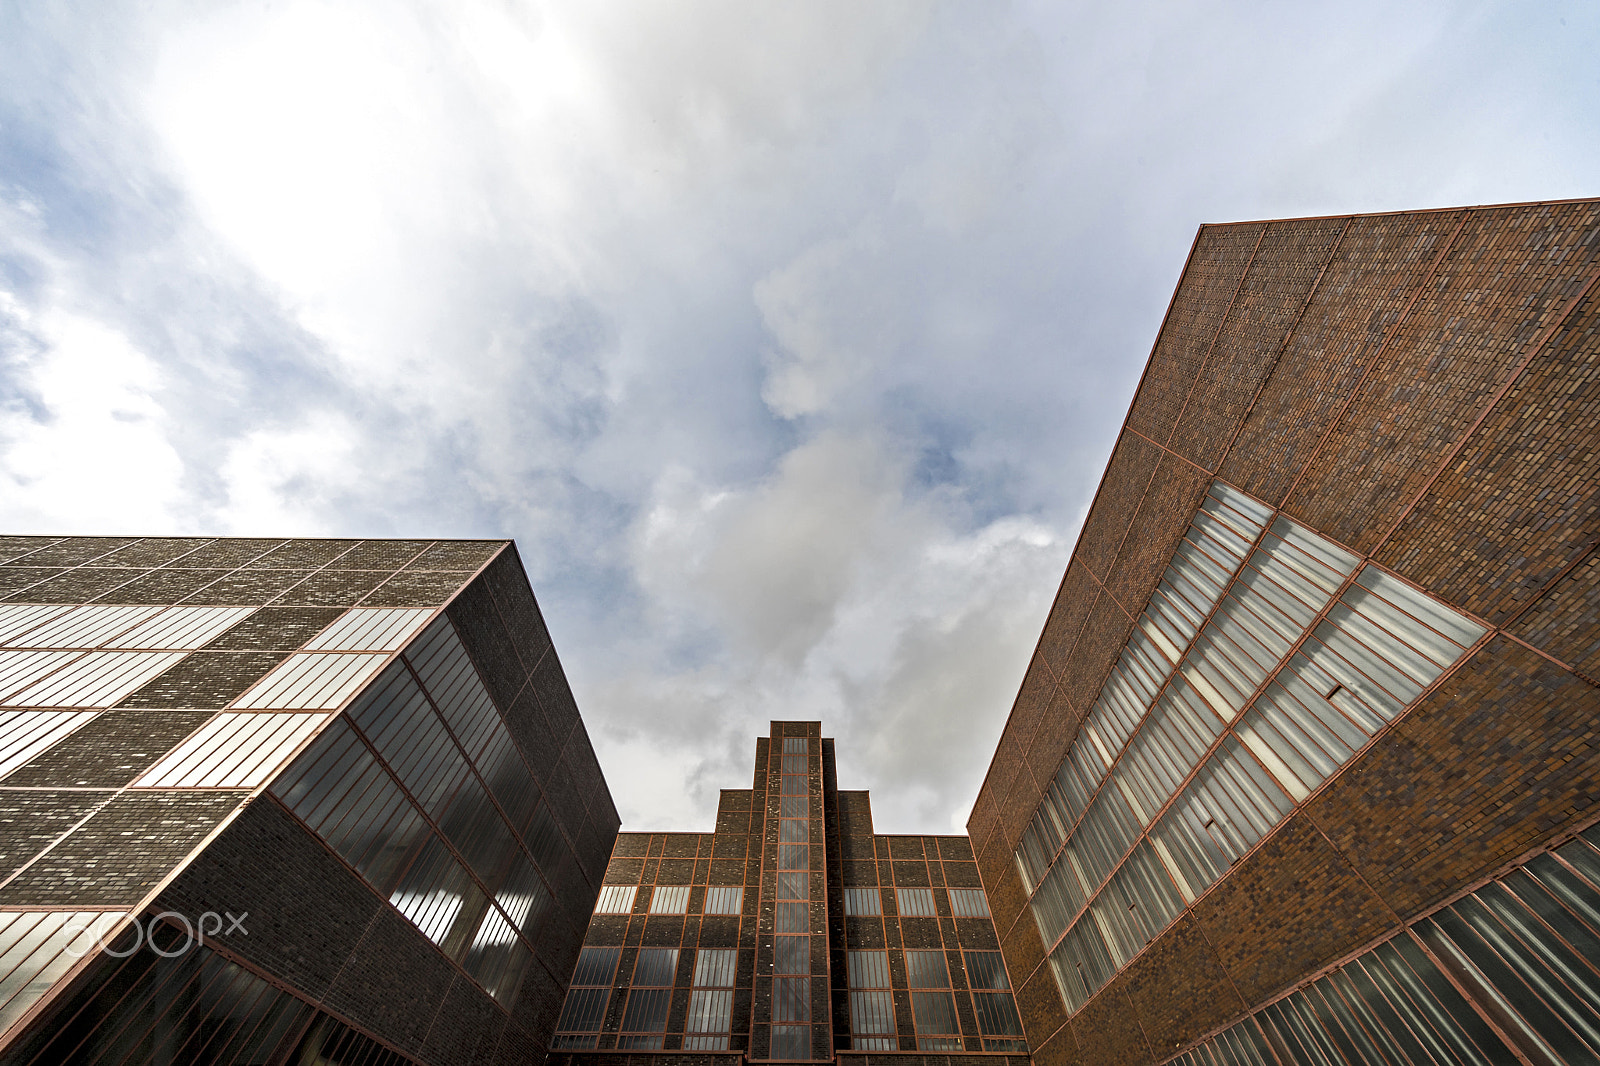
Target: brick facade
{"type": "Point", "coordinates": [1421, 388]}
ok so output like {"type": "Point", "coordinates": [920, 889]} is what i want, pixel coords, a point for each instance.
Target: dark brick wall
{"type": "Point", "coordinates": [1420, 387]}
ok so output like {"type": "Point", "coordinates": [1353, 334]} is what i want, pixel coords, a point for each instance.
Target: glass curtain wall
{"type": "Point", "coordinates": [791, 966]}
{"type": "Point", "coordinates": [1509, 973]}
{"type": "Point", "coordinates": [420, 788]}
{"type": "Point", "coordinates": [1266, 658]}
{"type": "Point", "coordinates": [174, 1001]}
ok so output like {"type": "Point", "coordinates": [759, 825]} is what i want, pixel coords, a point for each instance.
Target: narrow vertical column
{"type": "Point", "coordinates": [790, 1020]}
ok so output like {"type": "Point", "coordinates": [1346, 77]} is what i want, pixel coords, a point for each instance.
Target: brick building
{"type": "Point", "coordinates": [1303, 768]}
{"type": "Point", "coordinates": [273, 801]}
{"type": "Point", "coordinates": [791, 932]}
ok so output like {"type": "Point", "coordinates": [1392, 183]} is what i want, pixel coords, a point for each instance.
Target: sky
{"type": "Point", "coordinates": [788, 340]}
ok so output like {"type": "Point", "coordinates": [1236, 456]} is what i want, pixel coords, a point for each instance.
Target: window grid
{"type": "Point", "coordinates": [932, 1002]}
{"type": "Point", "coordinates": [791, 1013]}
{"type": "Point", "coordinates": [703, 986]}
{"type": "Point", "coordinates": [710, 1017]}
{"type": "Point", "coordinates": [1526, 945]}
{"type": "Point", "coordinates": [473, 866]}
{"type": "Point", "coordinates": [872, 1024]}
{"type": "Point", "coordinates": [915, 902]}
{"type": "Point", "coordinates": [644, 1017]}
{"type": "Point", "coordinates": [1290, 598]}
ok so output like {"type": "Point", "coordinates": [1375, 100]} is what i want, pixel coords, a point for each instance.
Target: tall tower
{"type": "Point", "coordinates": [791, 933]}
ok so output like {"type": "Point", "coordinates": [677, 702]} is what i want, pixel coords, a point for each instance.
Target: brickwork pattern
{"type": "Point", "coordinates": [1440, 366]}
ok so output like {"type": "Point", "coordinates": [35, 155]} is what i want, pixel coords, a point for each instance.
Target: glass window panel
{"type": "Point", "coordinates": [794, 764]}
{"type": "Point", "coordinates": [935, 1012]}
{"type": "Point", "coordinates": [655, 967]}
{"type": "Point", "coordinates": [794, 830]}
{"type": "Point", "coordinates": [496, 958]}
{"type": "Point", "coordinates": [715, 967]}
{"type": "Point", "coordinates": [1079, 776]}
{"type": "Point", "coordinates": [472, 824]}
{"type": "Point", "coordinates": [926, 969]}
{"type": "Point", "coordinates": [791, 954]}
{"type": "Point", "coordinates": [794, 856]}
{"type": "Point", "coordinates": [508, 779]}
{"type": "Point", "coordinates": [646, 1010]}
{"type": "Point", "coordinates": [724, 899]}
{"type": "Point", "coordinates": [792, 917]}
{"type": "Point", "coordinates": [595, 967]}
{"type": "Point", "coordinates": [449, 677]}
{"type": "Point", "coordinates": [1162, 632]}
{"type": "Point", "coordinates": [1556, 974]}
{"type": "Point", "coordinates": [1416, 668]}
{"type": "Point", "coordinates": [997, 1014]}
{"type": "Point", "coordinates": [1252, 514]}
{"type": "Point", "coordinates": [1417, 989]}
{"type": "Point", "coordinates": [791, 1041]}
{"type": "Point", "coordinates": [868, 969]}
{"type": "Point", "coordinates": [709, 1012]}
{"type": "Point", "coordinates": [544, 840]}
{"type": "Point", "coordinates": [1195, 575]}
{"type": "Point", "coordinates": [1374, 1013]}
{"type": "Point", "coordinates": [1294, 602]}
{"type": "Point", "coordinates": [1105, 835]}
{"type": "Point", "coordinates": [793, 884]}
{"type": "Point", "coordinates": [1327, 699]}
{"type": "Point", "coordinates": [1081, 963]}
{"type": "Point", "coordinates": [1256, 620]}
{"type": "Point", "coordinates": [434, 891]}
{"type": "Point", "coordinates": [1460, 629]}
{"type": "Point", "coordinates": [1352, 680]}
{"type": "Point", "coordinates": [915, 902]}
{"type": "Point", "coordinates": [669, 899]}
{"type": "Point", "coordinates": [795, 746]}
{"type": "Point", "coordinates": [1059, 898]}
{"type": "Point", "coordinates": [1228, 546]}
{"type": "Point", "coordinates": [1435, 650]}
{"type": "Point", "coordinates": [791, 1000]}
{"type": "Point", "coordinates": [1364, 658]}
{"type": "Point", "coordinates": [792, 784]}
{"type": "Point", "coordinates": [969, 903]}
{"type": "Point", "coordinates": [986, 969]}
{"type": "Point", "coordinates": [1334, 560]}
{"type": "Point", "coordinates": [1285, 734]}
{"type": "Point", "coordinates": [523, 896]}
{"type": "Point", "coordinates": [406, 733]}
{"type": "Point", "coordinates": [615, 899]}
{"type": "Point", "coordinates": [862, 902]}
{"type": "Point", "coordinates": [872, 1012]}
{"type": "Point", "coordinates": [794, 807]}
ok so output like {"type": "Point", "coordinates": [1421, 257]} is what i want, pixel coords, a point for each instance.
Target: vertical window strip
{"type": "Point", "coordinates": [1304, 716]}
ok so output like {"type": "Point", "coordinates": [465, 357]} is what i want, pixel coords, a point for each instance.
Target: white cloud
{"type": "Point", "coordinates": [789, 340]}
{"type": "Point", "coordinates": [89, 450]}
